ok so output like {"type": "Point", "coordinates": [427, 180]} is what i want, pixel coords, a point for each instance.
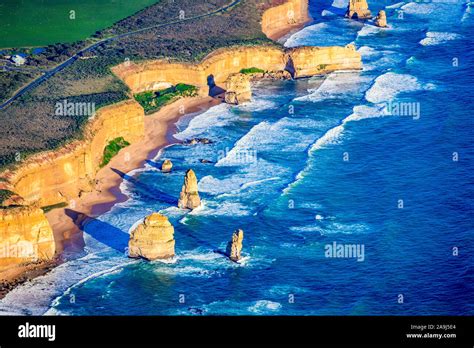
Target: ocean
{"type": "Point", "coordinates": [380, 160]}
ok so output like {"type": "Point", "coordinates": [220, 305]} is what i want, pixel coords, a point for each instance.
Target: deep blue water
{"type": "Point", "coordinates": [327, 164]}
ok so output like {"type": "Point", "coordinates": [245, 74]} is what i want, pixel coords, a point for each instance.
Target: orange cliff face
{"type": "Point", "coordinates": [25, 236]}
{"type": "Point", "coordinates": [304, 61]}
{"type": "Point", "coordinates": [309, 61]}
{"type": "Point", "coordinates": [279, 20]}
{"type": "Point", "coordinates": [58, 176]}
{"type": "Point", "coordinates": [217, 66]}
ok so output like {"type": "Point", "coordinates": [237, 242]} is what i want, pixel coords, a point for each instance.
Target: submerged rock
{"type": "Point", "coordinates": [166, 166]}
{"type": "Point", "coordinates": [203, 160]}
{"type": "Point", "coordinates": [358, 9]}
{"type": "Point", "coordinates": [195, 141]}
{"type": "Point", "coordinates": [152, 239]}
{"type": "Point", "coordinates": [189, 196]}
{"type": "Point", "coordinates": [381, 19]}
{"type": "Point", "coordinates": [234, 247]}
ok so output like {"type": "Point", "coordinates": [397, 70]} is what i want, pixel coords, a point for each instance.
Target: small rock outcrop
{"type": "Point", "coordinates": [358, 9]}
{"type": "Point", "coordinates": [277, 75]}
{"type": "Point", "coordinates": [152, 239]}
{"type": "Point", "coordinates": [234, 247]}
{"type": "Point", "coordinates": [381, 19]}
{"type": "Point", "coordinates": [238, 89]}
{"type": "Point", "coordinates": [166, 166]}
{"type": "Point", "coordinates": [189, 196]}
{"type": "Point", "coordinates": [195, 141]}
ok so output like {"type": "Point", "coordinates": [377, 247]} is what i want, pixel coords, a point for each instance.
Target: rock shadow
{"type": "Point", "coordinates": [99, 230]}
{"type": "Point", "coordinates": [147, 190]}
{"type": "Point", "coordinates": [214, 90]}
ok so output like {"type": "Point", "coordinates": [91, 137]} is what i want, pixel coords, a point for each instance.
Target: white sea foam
{"type": "Point", "coordinates": [468, 11]}
{"type": "Point", "coordinates": [222, 209]}
{"type": "Point", "coordinates": [388, 86]}
{"type": "Point", "coordinates": [397, 5]}
{"type": "Point", "coordinates": [332, 228]}
{"type": "Point", "coordinates": [437, 38]}
{"type": "Point", "coordinates": [360, 112]}
{"type": "Point", "coordinates": [338, 32]}
{"type": "Point", "coordinates": [379, 59]}
{"type": "Point", "coordinates": [219, 115]}
{"type": "Point", "coordinates": [215, 186]}
{"type": "Point", "coordinates": [295, 39]}
{"type": "Point", "coordinates": [257, 105]}
{"type": "Point", "coordinates": [35, 296]}
{"type": "Point", "coordinates": [331, 136]}
{"type": "Point", "coordinates": [337, 85]}
{"type": "Point", "coordinates": [339, 3]}
{"type": "Point", "coordinates": [265, 307]}
{"type": "Point", "coordinates": [419, 9]}
{"type": "Point", "coordinates": [327, 13]}
{"type": "Point", "coordinates": [368, 30]}
{"type": "Point", "coordinates": [367, 51]}
{"type": "Point", "coordinates": [257, 182]}
{"type": "Point", "coordinates": [288, 134]}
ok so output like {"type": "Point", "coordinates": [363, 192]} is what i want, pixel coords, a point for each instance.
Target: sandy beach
{"type": "Point", "coordinates": [66, 222]}
{"type": "Point", "coordinates": [159, 130]}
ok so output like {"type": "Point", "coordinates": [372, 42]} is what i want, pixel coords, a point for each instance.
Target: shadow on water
{"type": "Point", "coordinates": [99, 230]}
{"type": "Point", "coordinates": [153, 164]}
{"type": "Point", "coordinates": [148, 191]}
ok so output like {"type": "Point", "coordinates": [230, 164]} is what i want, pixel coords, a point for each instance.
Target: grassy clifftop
{"type": "Point", "coordinates": [30, 124]}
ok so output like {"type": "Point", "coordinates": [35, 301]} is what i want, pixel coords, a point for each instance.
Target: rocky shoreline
{"type": "Point", "coordinates": [159, 128]}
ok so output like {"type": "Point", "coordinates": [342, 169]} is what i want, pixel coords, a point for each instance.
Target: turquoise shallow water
{"type": "Point", "coordinates": [326, 162]}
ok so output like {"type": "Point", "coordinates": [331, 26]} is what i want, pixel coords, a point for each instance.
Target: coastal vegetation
{"type": "Point", "coordinates": [252, 70]}
{"type": "Point", "coordinates": [4, 195]}
{"type": "Point", "coordinates": [112, 149]}
{"type": "Point", "coordinates": [152, 101]}
{"type": "Point", "coordinates": [89, 79]}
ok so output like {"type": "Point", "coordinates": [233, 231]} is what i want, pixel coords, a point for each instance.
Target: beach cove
{"type": "Point", "coordinates": [328, 172]}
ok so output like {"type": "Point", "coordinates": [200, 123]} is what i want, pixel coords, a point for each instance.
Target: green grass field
{"type": "Point", "coordinates": [30, 23]}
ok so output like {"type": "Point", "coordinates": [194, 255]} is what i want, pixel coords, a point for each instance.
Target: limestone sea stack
{"type": "Point", "coordinates": [358, 9]}
{"type": "Point", "coordinates": [153, 239]}
{"type": "Point", "coordinates": [238, 89]}
{"type": "Point", "coordinates": [189, 196]}
{"type": "Point", "coordinates": [166, 166]}
{"type": "Point", "coordinates": [381, 19]}
{"type": "Point", "coordinates": [234, 247]}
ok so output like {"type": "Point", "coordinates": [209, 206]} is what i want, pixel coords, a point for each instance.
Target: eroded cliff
{"type": "Point", "coordinates": [279, 20]}
{"type": "Point", "coordinates": [305, 61]}
{"type": "Point", "coordinates": [309, 61]}
{"type": "Point", "coordinates": [215, 68]}
{"type": "Point", "coordinates": [25, 235]}
{"type": "Point", "coordinates": [58, 176]}
{"type": "Point", "coordinates": [61, 176]}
